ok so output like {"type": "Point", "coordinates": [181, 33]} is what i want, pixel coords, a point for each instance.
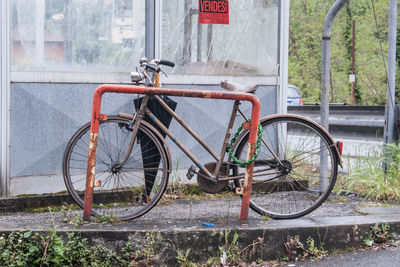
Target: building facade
{"type": "Point", "coordinates": [54, 54]}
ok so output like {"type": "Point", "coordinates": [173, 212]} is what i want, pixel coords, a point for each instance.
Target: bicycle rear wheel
{"type": "Point", "coordinates": [127, 192]}
{"type": "Point", "coordinates": [301, 176]}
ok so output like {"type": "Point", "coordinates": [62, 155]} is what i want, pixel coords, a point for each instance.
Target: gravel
{"type": "Point", "coordinates": [186, 211]}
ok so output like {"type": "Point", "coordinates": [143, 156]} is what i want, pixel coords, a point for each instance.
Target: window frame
{"type": "Point", "coordinates": [152, 50]}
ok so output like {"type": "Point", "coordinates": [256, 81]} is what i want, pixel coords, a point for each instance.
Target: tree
{"type": "Point", "coordinates": [306, 22]}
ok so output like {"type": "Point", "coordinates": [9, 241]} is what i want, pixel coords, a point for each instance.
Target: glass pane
{"type": "Point", "coordinates": [79, 35]}
{"type": "Point", "coordinates": [247, 46]}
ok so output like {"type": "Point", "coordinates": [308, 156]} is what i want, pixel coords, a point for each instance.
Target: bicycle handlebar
{"type": "Point", "coordinates": [146, 68]}
{"type": "Point", "coordinates": [166, 63]}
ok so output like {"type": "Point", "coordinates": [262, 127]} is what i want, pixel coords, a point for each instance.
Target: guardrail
{"type": "Point", "coordinates": [355, 122]}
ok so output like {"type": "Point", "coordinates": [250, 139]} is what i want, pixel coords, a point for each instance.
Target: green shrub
{"type": "Point", "coordinates": [372, 179]}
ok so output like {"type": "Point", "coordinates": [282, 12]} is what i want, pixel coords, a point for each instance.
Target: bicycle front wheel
{"type": "Point", "coordinates": [295, 170]}
{"type": "Point", "coordinates": [125, 192]}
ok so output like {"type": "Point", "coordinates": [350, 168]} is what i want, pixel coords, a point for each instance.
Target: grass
{"type": "Point", "coordinates": [53, 208]}
{"type": "Point", "coordinates": [373, 177]}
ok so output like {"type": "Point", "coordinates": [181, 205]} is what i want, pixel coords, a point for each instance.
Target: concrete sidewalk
{"type": "Point", "coordinates": [339, 223]}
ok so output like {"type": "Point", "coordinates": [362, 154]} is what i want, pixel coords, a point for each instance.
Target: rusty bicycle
{"type": "Point", "coordinates": [295, 165]}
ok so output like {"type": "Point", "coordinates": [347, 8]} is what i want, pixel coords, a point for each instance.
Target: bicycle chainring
{"type": "Point", "coordinates": [209, 186]}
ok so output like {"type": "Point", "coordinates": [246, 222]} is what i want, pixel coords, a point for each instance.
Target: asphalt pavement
{"type": "Point", "coordinates": [341, 222]}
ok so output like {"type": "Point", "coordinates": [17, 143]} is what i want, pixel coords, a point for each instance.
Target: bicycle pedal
{"type": "Point", "coordinates": [191, 172]}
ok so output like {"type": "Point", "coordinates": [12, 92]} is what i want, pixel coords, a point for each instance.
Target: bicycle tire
{"type": "Point", "coordinates": [297, 189]}
{"type": "Point", "coordinates": [127, 193]}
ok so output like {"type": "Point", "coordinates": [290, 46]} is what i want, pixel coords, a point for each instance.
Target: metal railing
{"type": "Point", "coordinates": [361, 122]}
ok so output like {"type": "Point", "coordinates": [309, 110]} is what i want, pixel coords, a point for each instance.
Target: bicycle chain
{"type": "Point", "coordinates": [229, 148]}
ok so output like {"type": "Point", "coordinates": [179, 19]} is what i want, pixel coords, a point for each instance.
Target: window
{"type": "Point", "coordinates": [77, 35]}
{"type": "Point", "coordinates": [247, 46]}
{"type": "Point", "coordinates": [109, 36]}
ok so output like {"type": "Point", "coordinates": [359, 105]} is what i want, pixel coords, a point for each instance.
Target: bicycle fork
{"type": "Point", "coordinates": [136, 123]}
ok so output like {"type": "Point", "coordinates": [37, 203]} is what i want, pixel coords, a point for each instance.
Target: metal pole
{"type": "Point", "coordinates": [150, 7]}
{"type": "Point", "coordinates": [4, 96]}
{"type": "Point", "coordinates": [353, 46]}
{"type": "Point", "coordinates": [112, 88]}
{"type": "Point", "coordinates": [390, 105]}
{"type": "Point", "coordinates": [325, 78]}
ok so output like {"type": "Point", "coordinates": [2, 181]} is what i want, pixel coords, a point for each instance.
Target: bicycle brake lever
{"type": "Point", "coordinates": [163, 73]}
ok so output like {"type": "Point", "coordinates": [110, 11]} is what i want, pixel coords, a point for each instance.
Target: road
{"type": "Point", "coordinates": [376, 258]}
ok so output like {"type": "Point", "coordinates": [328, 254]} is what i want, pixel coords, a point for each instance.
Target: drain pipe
{"type": "Point", "coordinates": [325, 78]}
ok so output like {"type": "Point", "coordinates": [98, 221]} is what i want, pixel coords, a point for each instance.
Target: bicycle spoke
{"type": "Point", "coordinates": [122, 189]}
{"type": "Point", "coordinates": [292, 188]}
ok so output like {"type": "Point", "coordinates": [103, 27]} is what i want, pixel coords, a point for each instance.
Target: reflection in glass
{"type": "Point", "coordinates": [247, 46]}
{"type": "Point", "coordinates": [84, 35]}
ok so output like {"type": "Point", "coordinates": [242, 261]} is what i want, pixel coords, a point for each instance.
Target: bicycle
{"type": "Point", "coordinates": [133, 161]}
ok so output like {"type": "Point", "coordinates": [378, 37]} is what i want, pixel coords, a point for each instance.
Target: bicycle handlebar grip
{"type": "Point", "coordinates": [154, 67]}
{"type": "Point", "coordinates": [167, 63]}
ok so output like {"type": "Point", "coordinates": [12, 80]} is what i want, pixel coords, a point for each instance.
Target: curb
{"type": "Point", "coordinates": [264, 239]}
{"type": "Point", "coordinates": [17, 204]}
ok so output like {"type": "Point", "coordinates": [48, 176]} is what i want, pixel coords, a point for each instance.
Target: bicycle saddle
{"type": "Point", "coordinates": [236, 87]}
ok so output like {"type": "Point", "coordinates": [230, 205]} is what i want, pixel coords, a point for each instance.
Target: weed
{"type": "Point", "coordinates": [257, 246]}
{"type": "Point", "coordinates": [20, 249]}
{"type": "Point", "coordinates": [380, 235]}
{"type": "Point", "coordinates": [266, 218]}
{"type": "Point", "coordinates": [296, 250]}
{"type": "Point", "coordinates": [69, 216]}
{"type": "Point", "coordinates": [110, 218]}
{"type": "Point", "coordinates": [50, 249]}
{"type": "Point", "coordinates": [314, 251]}
{"type": "Point", "coordinates": [152, 250]}
{"type": "Point", "coordinates": [183, 259]}
{"type": "Point", "coordinates": [370, 179]}
{"type": "Point", "coordinates": [61, 207]}
{"type": "Point", "coordinates": [229, 251]}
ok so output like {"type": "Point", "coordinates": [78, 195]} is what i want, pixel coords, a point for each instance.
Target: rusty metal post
{"type": "Point", "coordinates": [112, 88]}
{"type": "Point", "coordinates": [91, 166]}
{"type": "Point", "coordinates": [248, 178]}
{"type": "Point", "coordinates": [244, 211]}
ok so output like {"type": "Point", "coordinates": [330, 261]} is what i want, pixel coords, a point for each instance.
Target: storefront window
{"type": "Point", "coordinates": [247, 46]}
{"type": "Point", "coordinates": [76, 35]}
{"type": "Point", "coordinates": [109, 36]}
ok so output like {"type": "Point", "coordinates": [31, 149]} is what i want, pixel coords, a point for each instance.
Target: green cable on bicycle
{"type": "Point", "coordinates": [232, 155]}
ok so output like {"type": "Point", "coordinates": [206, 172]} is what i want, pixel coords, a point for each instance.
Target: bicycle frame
{"type": "Point", "coordinates": [145, 111]}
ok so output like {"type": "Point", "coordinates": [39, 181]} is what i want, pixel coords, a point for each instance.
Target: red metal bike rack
{"type": "Point", "coordinates": [97, 117]}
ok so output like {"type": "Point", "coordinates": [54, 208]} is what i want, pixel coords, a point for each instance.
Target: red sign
{"type": "Point", "coordinates": [213, 11]}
